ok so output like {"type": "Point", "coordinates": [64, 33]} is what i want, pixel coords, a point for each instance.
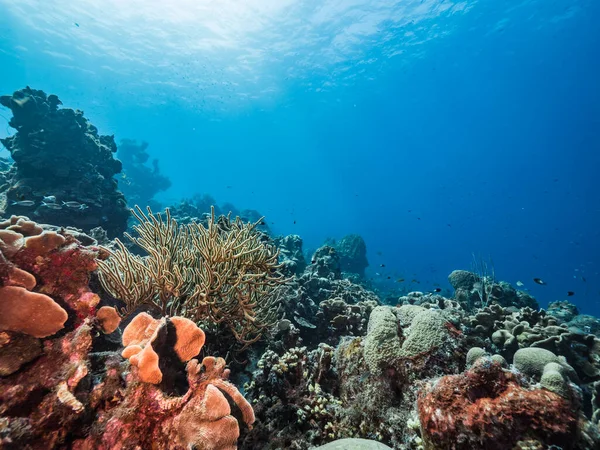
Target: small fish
{"type": "Point", "coordinates": [74, 205]}
{"type": "Point", "coordinates": [437, 290]}
{"type": "Point", "coordinates": [414, 280]}
{"type": "Point", "coordinates": [76, 24]}
{"type": "Point", "coordinates": [377, 273]}
{"type": "Point", "coordinates": [51, 205]}
{"type": "Point", "coordinates": [570, 294]}
{"type": "Point", "coordinates": [583, 279]}
{"type": "Point", "coordinates": [23, 203]}
{"type": "Point", "coordinates": [400, 280]}
{"type": "Point", "coordinates": [83, 206]}
{"type": "Point", "coordinates": [539, 281]}
{"type": "Point", "coordinates": [520, 284]}
{"type": "Point", "coordinates": [389, 278]}
{"type": "Point", "coordinates": [294, 222]}
{"type": "Point", "coordinates": [49, 199]}
{"type": "Point", "coordinates": [381, 265]}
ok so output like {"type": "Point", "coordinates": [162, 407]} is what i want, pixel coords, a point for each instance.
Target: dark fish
{"type": "Point", "coordinates": [583, 279]}
{"type": "Point", "coordinates": [381, 265]}
{"type": "Point", "coordinates": [539, 281]}
{"type": "Point", "coordinates": [294, 222]}
{"type": "Point", "coordinates": [389, 278]}
{"type": "Point", "coordinates": [400, 280]}
{"type": "Point", "coordinates": [76, 24]}
{"type": "Point", "coordinates": [570, 294]}
{"type": "Point", "coordinates": [414, 280]}
{"type": "Point", "coordinates": [437, 290]}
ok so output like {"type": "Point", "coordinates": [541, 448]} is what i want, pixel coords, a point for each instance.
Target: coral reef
{"type": "Point", "coordinates": [488, 407]}
{"type": "Point", "coordinates": [322, 304]}
{"type": "Point", "coordinates": [43, 275]}
{"type": "Point", "coordinates": [63, 383]}
{"type": "Point", "coordinates": [63, 169]}
{"type": "Point", "coordinates": [198, 209]}
{"type": "Point", "coordinates": [221, 273]}
{"type": "Point", "coordinates": [352, 251]}
{"type": "Point", "coordinates": [290, 253]}
{"type": "Point", "coordinates": [147, 416]}
{"type": "Point", "coordinates": [338, 368]}
{"type": "Point", "coordinates": [474, 291]}
{"type": "Point", "coordinates": [140, 182]}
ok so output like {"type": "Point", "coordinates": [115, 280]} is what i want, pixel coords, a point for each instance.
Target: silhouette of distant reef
{"type": "Point", "coordinates": [63, 169]}
{"type": "Point", "coordinates": [140, 182]}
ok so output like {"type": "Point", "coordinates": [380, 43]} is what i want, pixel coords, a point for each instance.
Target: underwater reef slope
{"type": "Point", "coordinates": [129, 363]}
{"type": "Point", "coordinates": [63, 168]}
{"type": "Point", "coordinates": [66, 381]}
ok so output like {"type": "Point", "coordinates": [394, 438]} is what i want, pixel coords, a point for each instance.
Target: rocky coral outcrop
{"type": "Point", "coordinates": [474, 291]}
{"type": "Point", "coordinates": [322, 305]}
{"type": "Point", "coordinates": [352, 251]}
{"type": "Point", "coordinates": [488, 407]}
{"type": "Point", "coordinates": [290, 254]}
{"type": "Point", "coordinates": [63, 168]}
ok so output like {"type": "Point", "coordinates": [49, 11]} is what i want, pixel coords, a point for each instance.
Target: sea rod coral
{"type": "Point", "coordinates": [223, 272]}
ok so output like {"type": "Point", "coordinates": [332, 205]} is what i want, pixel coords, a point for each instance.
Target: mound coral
{"type": "Point", "coordinates": [222, 273]}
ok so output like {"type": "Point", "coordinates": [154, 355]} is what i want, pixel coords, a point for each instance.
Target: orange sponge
{"type": "Point", "coordinates": [109, 319]}
{"type": "Point", "coordinates": [141, 333]}
{"type": "Point", "coordinates": [29, 312]}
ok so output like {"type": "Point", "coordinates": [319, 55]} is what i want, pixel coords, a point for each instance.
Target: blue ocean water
{"type": "Point", "coordinates": [434, 129]}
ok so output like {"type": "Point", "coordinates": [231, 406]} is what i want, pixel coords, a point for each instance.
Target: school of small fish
{"type": "Point", "coordinates": [49, 201]}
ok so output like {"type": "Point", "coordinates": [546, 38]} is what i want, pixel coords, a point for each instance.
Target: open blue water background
{"type": "Point", "coordinates": [434, 129]}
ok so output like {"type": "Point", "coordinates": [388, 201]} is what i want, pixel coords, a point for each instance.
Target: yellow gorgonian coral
{"type": "Point", "coordinates": [222, 272]}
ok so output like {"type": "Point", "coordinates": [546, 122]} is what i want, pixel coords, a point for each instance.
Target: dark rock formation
{"type": "Point", "coordinates": [60, 156]}
{"type": "Point", "coordinates": [352, 251]}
